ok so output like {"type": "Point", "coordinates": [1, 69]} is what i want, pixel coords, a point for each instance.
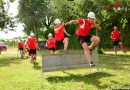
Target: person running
{"type": "Point", "coordinates": [21, 47]}
{"type": "Point", "coordinates": [82, 33]}
{"type": "Point", "coordinates": [27, 47]}
{"type": "Point", "coordinates": [59, 30]}
{"type": "Point", "coordinates": [117, 39]}
{"type": "Point", "coordinates": [32, 46]}
{"type": "Point", "coordinates": [50, 44]}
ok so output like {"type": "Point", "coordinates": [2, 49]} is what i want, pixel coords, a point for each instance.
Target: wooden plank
{"type": "Point", "coordinates": [66, 61]}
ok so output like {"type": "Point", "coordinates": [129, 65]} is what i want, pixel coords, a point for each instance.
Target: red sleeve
{"type": "Point", "coordinates": [112, 34]}
{"type": "Point", "coordinates": [80, 21]}
{"type": "Point", "coordinates": [36, 42]}
{"type": "Point", "coordinates": [118, 4]}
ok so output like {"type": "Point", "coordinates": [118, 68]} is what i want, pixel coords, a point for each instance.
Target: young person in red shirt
{"type": "Point", "coordinates": [59, 30]}
{"type": "Point", "coordinates": [117, 39]}
{"type": "Point", "coordinates": [27, 48]}
{"type": "Point", "coordinates": [50, 44]}
{"type": "Point", "coordinates": [21, 47]}
{"type": "Point", "coordinates": [32, 46]}
{"type": "Point", "coordinates": [82, 33]}
{"type": "Point", "coordinates": [1, 48]}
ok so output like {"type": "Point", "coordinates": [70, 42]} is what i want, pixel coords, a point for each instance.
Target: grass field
{"type": "Point", "coordinates": [113, 72]}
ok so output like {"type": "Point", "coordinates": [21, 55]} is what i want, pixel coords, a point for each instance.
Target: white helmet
{"type": "Point", "coordinates": [28, 36]}
{"type": "Point", "coordinates": [91, 15]}
{"type": "Point", "coordinates": [50, 35]}
{"type": "Point", "coordinates": [32, 34]}
{"type": "Point", "coordinates": [115, 27]}
{"type": "Point", "coordinates": [57, 21]}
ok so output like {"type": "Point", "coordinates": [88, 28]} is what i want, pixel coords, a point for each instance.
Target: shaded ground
{"type": "Point", "coordinates": [17, 74]}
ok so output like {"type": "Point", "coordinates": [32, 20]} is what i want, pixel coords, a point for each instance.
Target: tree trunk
{"type": "Point", "coordinates": [36, 30]}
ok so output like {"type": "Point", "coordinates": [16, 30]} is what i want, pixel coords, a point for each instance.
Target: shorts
{"type": "Point", "coordinates": [21, 49]}
{"type": "Point", "coordinates": [115, 43]}
{"type": "Point", "coordinates": [53, 49]}
{"type": "Point", "coordinates": [83, 39]}
{"type": "Point", "coordinates": [32, 51]}
{"type": "Point", "coordinates": [59, 44]}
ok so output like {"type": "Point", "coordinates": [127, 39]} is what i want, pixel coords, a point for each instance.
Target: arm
{"type": "Point", "coordinates": [72, 22]}
{"type": "Point", "coordinates": [97, 26]}
{"type": "Point", "coordinates": [46, 44]}
{"type": "Point", "coordinates": [66, 33]}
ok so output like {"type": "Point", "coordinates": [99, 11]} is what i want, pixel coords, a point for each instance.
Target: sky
{"type": "Point", "coordinates": [12, 12]}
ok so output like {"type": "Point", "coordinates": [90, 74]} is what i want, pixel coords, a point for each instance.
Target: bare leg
{"type": "Point", "coordinates": [115, 50]}
{"type": "Point", "coordinates": [122, 47]}
{"type": "Point", "coordinates": [87, 53]}
{"type": "Point", "coordinates": [57, 52]}
{"type": "Point", "coordinates": [65, 41]}
{"type": "Point", "coordinates": [23, 53]}
{"type": "Point", "coordinates": [51, 51]}
{"type": "Point", "coordinates": [34, 57]}
{"type": "Point", "coordinates": [95, 41]}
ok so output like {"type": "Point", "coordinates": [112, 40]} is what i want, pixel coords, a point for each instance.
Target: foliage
{"type": "Point", "coordinates": [33, 13]}
{"type": "Point", "coordinates": [6, 22]}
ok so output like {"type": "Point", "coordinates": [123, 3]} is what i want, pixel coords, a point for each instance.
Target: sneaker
{"type": "Point", "coordinates": [92, 64]}
{"type": "Point", "coordinates": [124, 51]}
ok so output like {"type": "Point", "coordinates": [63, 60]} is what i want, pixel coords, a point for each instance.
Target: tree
{"type": "Point", "coordinates": [32, 13]}
{"type": "Point", "coordinates": [5, 21]}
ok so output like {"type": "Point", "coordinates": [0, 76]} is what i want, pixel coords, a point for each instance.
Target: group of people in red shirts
{"type": "Point", "coordinates": [54, 43]}
{"type": "Point", "coordinates": [82, 33]}
{"type": "Point", "coordinates": [31, 45]}
{"type": "Point", "coordinates": [85, 25]}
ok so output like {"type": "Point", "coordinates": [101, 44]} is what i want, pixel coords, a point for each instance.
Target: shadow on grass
{"type": "Point", "coordinates": [121, 62]}
{"type": "Point", "coordinates": [37, 67]}
{"type": "Point", "coordinates": [91, 79]}
{"type": "Point", "coordinates": [7, 60]}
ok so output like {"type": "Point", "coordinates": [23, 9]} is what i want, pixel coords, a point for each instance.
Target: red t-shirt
{"type": "Point", "coordinates": [84, 27]}
{"type": "Point", "coordinates": [59, 32]}
{"type": "Point", "coordinates": [51, 43]}
{"type": "Point", "coordinates": [116, 35]}
{"type": "Point", "coordinates": [118, 4]}
{"type": "Point", "coordinates": [32, 43]}
{"type": "Point", "coordinates": [20, 45]}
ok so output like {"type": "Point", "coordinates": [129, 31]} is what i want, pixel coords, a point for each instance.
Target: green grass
{"type": "Point", "coordinates": [16, 74]}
